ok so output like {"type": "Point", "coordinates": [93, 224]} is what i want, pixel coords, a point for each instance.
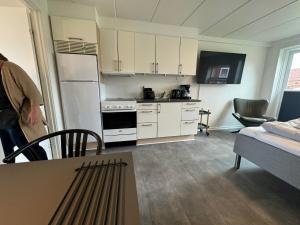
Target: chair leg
{"type": "Point", "coordinates": [237, 161]}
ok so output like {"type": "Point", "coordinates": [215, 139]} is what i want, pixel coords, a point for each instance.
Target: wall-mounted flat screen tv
{"type": "Point", "coordinates": [220, 67]}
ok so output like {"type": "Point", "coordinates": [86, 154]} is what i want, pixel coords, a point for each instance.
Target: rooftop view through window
{"type": "Point", "coordinates": [294, 76]}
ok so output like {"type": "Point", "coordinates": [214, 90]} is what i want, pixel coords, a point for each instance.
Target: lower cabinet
{"type": "Point", "coordinates": [189, 127]}
{"type": "Point", "coordinates": [146, 130]}
{"type": "Point", "coordinates": [168, 119]}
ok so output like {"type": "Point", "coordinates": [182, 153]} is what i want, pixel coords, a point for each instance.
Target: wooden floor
{"type": "Point", "coordinates": [194, 183]}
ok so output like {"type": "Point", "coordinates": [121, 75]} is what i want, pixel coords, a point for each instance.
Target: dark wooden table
{"type": "Point", "coordinates": [31, 192]}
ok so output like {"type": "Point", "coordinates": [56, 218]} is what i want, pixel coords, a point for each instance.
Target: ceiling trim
{"type": "Point", "coordinates": [259, 18]}
{"type": "Point", "coordinates": [226, 16]}
{"type": "Point", "coordinates": [155, 10]}
{"type": "Point", "coordinates": [192, 13]}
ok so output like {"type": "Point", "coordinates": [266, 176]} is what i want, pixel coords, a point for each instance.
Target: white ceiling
{"type": "Point", "coordinates": [257, 20]}
{"type": "Point", "coordinates": [14, 3]}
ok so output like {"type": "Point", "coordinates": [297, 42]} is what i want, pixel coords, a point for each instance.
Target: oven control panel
{"type": "Point", "coordinates": [111, 106]}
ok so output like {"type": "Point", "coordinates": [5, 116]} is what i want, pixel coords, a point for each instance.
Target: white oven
{"type": "Point", "coordinates": [119, 122]}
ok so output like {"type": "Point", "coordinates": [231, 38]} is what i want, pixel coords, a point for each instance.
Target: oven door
{"type": "Point", "coordinates": [119, 120]}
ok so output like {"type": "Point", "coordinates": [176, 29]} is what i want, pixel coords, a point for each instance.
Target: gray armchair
{"type": "Point", "coordinates": [251, 113]}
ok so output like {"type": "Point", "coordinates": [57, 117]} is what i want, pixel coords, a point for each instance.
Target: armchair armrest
{"type": "Point", "coordinates": [236, 115]}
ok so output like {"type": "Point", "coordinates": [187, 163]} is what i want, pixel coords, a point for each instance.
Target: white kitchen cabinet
{"type": "Point", "coordinates": [144, 53]}
{"type": "Point", "coordinates": [188, 105]}
{"type": "Point", "coordinates": [190, 114]}
{"type": "Point", "coordinates": [189, 127]}
{"type": "Point", "coordinates": [146, 130]}
{"type": "Point", "coordinates": [68, 29]}
{"type": "Point", "coordinates": [188, 56]}
{"type": "Point", "coordinates": [126, 51]}
{"type": "Point", "coordinates": [168, 119]}
{"type": "Point", "coordinates": [167, 54]}
{"type": "Point", "coordinates": [147, 106]}
{"type": "Point", "coordinates": [109, 51]}
{"type": "Point", "coordinates": [146, 116]}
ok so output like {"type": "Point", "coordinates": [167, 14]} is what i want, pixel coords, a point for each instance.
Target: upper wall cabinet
{"type": "Point", "coordinates": [126, 51]}
{"type": "Point", "coordinates": [68, 29]}
{"type": "Point", "coordinates": [109, 60]}
{"type": "Point", "coordinates": [117, 51]}
{"type": "Point", "coordinates": [167, 54]}
{"type": "Point", "coordinates": [144, 51]}
{"type": "Point", "coordinates": [188, 56]}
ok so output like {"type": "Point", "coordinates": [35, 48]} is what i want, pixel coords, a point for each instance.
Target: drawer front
{"type": "Point", "coordinates": [190, 114]}
{"type": "Point", "coordinates": [119, 138]}
{"type": "Point", "coordinates": [114, 132]}
{"type": "Point", "coordinates": [147, 106]}
{"type": "Point", "coordinates": [147, 116]}
{"type": "Point", "coordinates": [146, 130]}
{"type": "Point", "coordinates": [189, 127]}
{"type": "Point", "coordinates": [187, 105]}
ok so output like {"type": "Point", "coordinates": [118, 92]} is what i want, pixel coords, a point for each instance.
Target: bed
{"type": "Point", "coordinates": [276, 154]}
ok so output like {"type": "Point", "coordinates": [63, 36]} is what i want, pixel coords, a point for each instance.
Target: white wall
{"type": "Point", "coordinates": [217, 98]}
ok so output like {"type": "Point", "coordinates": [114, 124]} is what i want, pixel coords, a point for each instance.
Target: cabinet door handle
{"type": "Point", "coordinates": [147, 125]}
{"type": "Point", "coordinates": [75, 39]}
{"type": "Point", "coordinates": [180, 68]}
{"type": "Point", "coordinates": [189, 110]}
{"type": "Point", "coordinates": [153, 68]}
{"type": "Point", "coordinates": [146, 111]}
{"type": "Point", "coordinates": [145, 104]}
{"type": "Point", "coordinates": [120, 65]}
{"type": "Point", "coordinates": [115, 62]}
{"type": "Point", "coordinates": [158, 108]}
{"type": "Point", "coordinates": [191, 103]}
{"type": "Point", "coordinates": [189, 122]}
{"type": "Point", "coordinates": [156, 69]}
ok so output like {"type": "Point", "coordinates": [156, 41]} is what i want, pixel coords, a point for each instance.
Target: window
{"type": "Point", "coordinates": [294, 74]}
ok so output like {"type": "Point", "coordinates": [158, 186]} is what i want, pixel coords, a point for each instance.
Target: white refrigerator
{"type": "Point", "coordinates": [80, 91]}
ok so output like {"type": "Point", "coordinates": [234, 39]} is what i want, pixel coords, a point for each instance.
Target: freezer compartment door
{"type": "Point", "coordinates": [81, 106]}
{"type": "Point", "coordinates": [75, 67]}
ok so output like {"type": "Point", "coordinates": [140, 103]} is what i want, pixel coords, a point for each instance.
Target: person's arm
{"type": "Point", "coordinates": [30, 91]}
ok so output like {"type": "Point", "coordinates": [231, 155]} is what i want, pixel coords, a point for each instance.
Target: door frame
{"type": "Point", "coordinates": [42, 55]}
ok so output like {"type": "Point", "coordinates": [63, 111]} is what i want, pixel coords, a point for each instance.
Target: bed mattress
{"type": "Point", "coordinates": [277, 141]}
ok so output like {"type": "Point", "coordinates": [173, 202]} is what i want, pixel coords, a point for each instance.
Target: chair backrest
{"type": "Point", "coordinates": [249, 107]}
{"type": "Point", "coordinates": [73, 143]}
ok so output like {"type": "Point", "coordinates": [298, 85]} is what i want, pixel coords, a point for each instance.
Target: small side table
{"type": "Point", "coordinates": [203, 125]}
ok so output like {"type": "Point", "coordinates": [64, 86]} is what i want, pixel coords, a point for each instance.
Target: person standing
{"type": "Point", "coordinates": [21, 120]}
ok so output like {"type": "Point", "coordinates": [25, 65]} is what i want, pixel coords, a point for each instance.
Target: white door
{"type": "Point", "coordinates": [81, 105]}
{"type": "Point", "coordinates": [126, 51]}
{"type": "Point", "coordinates": [188, 56]}
{"type": "Point", "coordinates": [75, 67]}
{"type": "Point", "coordinates": [167, 54]}
{"type": "Point", "coordinates": [168, 119]}
{"type": "Point", "coordinates": [109, 51]}
{"type": "Point", "coordinates": [144, 53]}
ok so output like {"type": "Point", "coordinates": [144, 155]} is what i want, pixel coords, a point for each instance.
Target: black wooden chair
{"type": "Point", "coordinates": [69, 149]}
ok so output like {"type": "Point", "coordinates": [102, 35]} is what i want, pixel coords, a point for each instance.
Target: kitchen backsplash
{"type": "Point", "coordinates": [132, 86]}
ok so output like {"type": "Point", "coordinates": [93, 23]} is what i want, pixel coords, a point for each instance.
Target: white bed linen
{"type": "Point", "coordinates": [277, 141]}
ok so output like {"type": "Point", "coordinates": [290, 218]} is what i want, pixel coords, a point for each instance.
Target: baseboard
{"type": "Point", "coordinates": [165, 140]}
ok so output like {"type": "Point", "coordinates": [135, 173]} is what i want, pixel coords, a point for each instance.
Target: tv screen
{"type": "Point", "coordinates": [220, 68]}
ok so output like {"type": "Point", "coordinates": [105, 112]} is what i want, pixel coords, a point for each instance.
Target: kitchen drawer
{"type": "Point", "coordinates": [147, 115]}
{"type": "Point", "coordinates": [147, 106]}
{"type": "Point", "coordinates": [119, 138]}
{"type": "Point", "coordinates": [119, 131]}
{"type": "Point", "coordinates": [187, 105]}
{"type": "Point", "coordinates": [189, 127]}
{"type": "Point", "coordinates": [146, 130]}
{"type": "Point", "coordinates": [190, 114]}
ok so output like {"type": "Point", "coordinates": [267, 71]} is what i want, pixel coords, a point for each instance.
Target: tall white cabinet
{"type": "Point", "coordinates": [167, 54]}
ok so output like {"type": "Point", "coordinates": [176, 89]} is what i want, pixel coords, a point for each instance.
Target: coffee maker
{"type": "Point", "coordinates": [185, 91]}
